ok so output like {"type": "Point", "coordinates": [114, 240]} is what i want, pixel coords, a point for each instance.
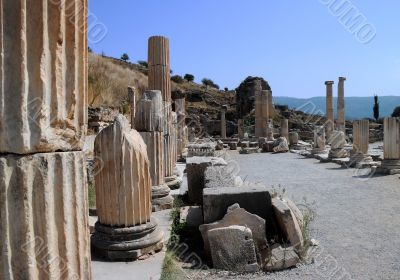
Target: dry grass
{"type": "Point", "coordinates": [108, 82]}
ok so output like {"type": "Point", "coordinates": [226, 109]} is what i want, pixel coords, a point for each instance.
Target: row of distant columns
{"type": "Point", "coordinates": [340, 124]}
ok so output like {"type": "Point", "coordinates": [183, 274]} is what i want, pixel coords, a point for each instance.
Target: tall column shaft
{"type": "Point", "coordinates": [329, 109]}
{"type": "Point", "coordinates": [182, 137]}
{"type": "Point", "coordinates": [391, 144]}
{"type": "Point", "coordinates": [43, 102]}
{"type": "Point", "coordinates": [271, 110]}
{"type": "Point", "coordinates": [132, 103]}
{"type": "Point", "coordinates": [223, 124]}
{"type": "Point", "coordinates": [44, 230]}
{"type": "Point", "coordinates": [262, 113]}
{"type": "Point", "coordinates": [241, 128]}
{"type": "Point", "coordinates": [341, 121]}
{"type": "Point", "coordinates": [361, 136]}
{"type": "Point", "coordinates": [285, 129]}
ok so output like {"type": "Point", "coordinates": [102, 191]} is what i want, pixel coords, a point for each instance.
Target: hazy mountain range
{"type": "Point", "coordinates": [356, 107]}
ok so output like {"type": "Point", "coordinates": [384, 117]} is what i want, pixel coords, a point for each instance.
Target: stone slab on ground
{"type": "Point", "coordinates": [149, 268]}
{"type": "Point", "coordinates": [196, 167]}
{"type": "Point", "coordinates": [282, 258]}
{"type": "Point", "coordinates": [288, 222]}
{"type": "Point", "coordinates": [254, 199]}
{"type": "Point", "coordinates": [232, 249]}
{"type": "Point", "coordinates": [191, 216]}
{"type": "Point", "coordinates": [221, 176]}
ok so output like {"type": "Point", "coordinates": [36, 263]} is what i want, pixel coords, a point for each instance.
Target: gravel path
{"type": "Point", "coordinates": [357, 223]}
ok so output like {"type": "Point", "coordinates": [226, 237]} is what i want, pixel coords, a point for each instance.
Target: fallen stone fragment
{"type": "Point", "coordinates": [191, 216]}
{"type": "Point", "coordinates": [241, 217]}
{"type": "Point", "coordinates": [288, 222]}
{"type": "Point", "coordinates": [281, 145]}
{"type": "Point", "coordinates": [282, 258]}
{"type": "Point", "coordinates": [232, 249]}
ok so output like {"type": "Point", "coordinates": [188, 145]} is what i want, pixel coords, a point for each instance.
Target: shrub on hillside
{"type": "Point", "coordinates": [177, 79]}
{"type": "Point", "coordinates": [396, 112]}
{"type": "Point", "coordinates": [125, 57]}
{"type": "Point", "coordinates": [209, 83]}
{"type": "Point", "coordinates": [143, 63]}
{"type": "Point", "coordinates": [189, 77]}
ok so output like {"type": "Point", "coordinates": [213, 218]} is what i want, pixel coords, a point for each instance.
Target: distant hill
{"type": "Point", "coordinates": [356, 107]}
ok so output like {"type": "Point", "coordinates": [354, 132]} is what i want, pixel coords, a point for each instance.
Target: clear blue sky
{"type": "Point", "coordinates": [295, 45]}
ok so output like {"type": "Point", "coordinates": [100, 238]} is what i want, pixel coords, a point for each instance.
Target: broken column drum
{"type": "Point", "coordinates": [359, 152]}
{"type": "Point", "coordinates": [391, 146]}
{"type": "Point", "coordinates": [125, 229]}
{"type": "Point", "coordinates": [44, 230]}
{"type": "Point", "coordinates": [285, 129]}
{"type": "Point", "coordinates": [338, 143]}
{"type": "Point", "coordinates": [149, 123]}
{"type": "Point", "coordinates": [330, 119]}
{"type": "Point", "coordinates": [319, 140]}
{"type": "Point", "coordinates": [341, 120]}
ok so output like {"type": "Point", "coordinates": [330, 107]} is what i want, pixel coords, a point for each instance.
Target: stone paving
{"type": "Point", "coordinates": [357, 223]}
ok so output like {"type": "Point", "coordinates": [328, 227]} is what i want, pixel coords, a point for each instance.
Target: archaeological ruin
{"type": "Point", "coordinates": [121, 168]}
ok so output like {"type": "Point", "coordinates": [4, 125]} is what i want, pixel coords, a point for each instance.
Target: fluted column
{"type": "Point", "coordinates": [361, 136]}
{"type": "Point", "coordinates": [285, 129]}
{"type": "Point", "coordinates": [123, 195]}
{"type": "Point", "coordinates": [159, 79]}
{"type": "Point", "coordinates": [182, 137]}
{"type": "Point", "coordinates": [132, 105]}
{"type": "Point", "coordinates": [330, 119]}
{"type": "Point", "coordinates": [241, 128]}
{"type": "Point", "coordinates": [391, 147]}
{"type": "Point", "coordinates": [271, 108]}
{"type": "Point", "coordinates": [341, 120]}
{"type": "Point", "coordinates": [359, 152]}
{"type": "Point", "coordinates": [223, 122]}
{"type": "Point", "coordinates": [319, 140]}
{"type": "Point", "coordinates": [149, 123]}
{"type": "Point", "coordinates": [262, 113]}
{"type": "Point", "coordinates": [44, 230]}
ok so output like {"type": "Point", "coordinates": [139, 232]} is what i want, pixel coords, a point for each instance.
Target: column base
{"type": "Point", "coordinates": [173, 182]}
{"type": "Point", "coordinates": [161, 198]}
{"type": "Point", "coordinates": [389, 167]}
{"type": "Point", "coordinates": [127, 243]}
{"type": "Point", "coordinates": [357, 159]}
{"type": "Point", "coordinates": [338, 153]}
{"type": "Point", "coordinates": [318, 151]}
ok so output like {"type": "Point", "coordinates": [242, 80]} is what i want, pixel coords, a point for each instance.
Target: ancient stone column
{"type": "Point", "coordinates": [338, 143]}
{"type": "Point", "coordinates": [285, 129]}
{"type": "Point", "coordinates": [223, 122]}
{"type": "Point", "coordinates": [391, 146]}
{"type": "Point", "coordinates": [159, 79]}
{"type": "Point", "coordinates": [125, 230]}
{"type": "Point", "coordinates": [341, 121]}
{"type": "Point", "coordinates": [330, 119]}
{"type": "Point", "coordinates": [44, 230]}
{"type": "Point", "coordinates": [270, 130]}
{"type": "Point", "coordinates": [271, 108]}
{"type": "Point", "coordinates": [132, 105]}
{"type": "Point", "coordinates": [149, 123]}
{"type": "Point", "coordinates": [359, 152]}
{"type": "Point", "coordinates": [262, 113]}
{"type": "Point", "coordinates": [241, 128]}
{"type": "Point", "coordinates": [319, 140]}
{"type": "Point", "coordinates": [182, 133]}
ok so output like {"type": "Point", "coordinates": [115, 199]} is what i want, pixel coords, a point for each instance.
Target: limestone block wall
{"type": "Point", "coordinates": [43, 102]}
{"type": "Point", "coordinates": [391, 144]}
{"type": "Point", "coordinates": [123, 185]}
{"type": "Point", "coordinates": [44, 217]}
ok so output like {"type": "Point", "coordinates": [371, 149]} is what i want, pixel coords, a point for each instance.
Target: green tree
{"type": "Point", "coordinates": [189, 77]}
{"type": "Point", "coordinates": [143, 63]}
{"type": "Point", "coordinates": [177, 79]}
{"type": "Point", "coordinates": [376, 108]}
{"type": "Point", "coordinates": [396, 112]}
{"type": "Point", "coordinates": [125, 57]}
{"type": "Point", "coordinates": [209, 83]}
